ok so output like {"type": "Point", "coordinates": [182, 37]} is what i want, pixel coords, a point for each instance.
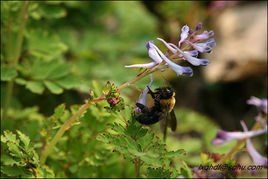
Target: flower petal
{"type": "Point", "coordinates": [142, 98]}
{"type": "Point", "coordinates": [153, 53]}
{"type": "Point", "coordinates": [261, 104]}
{"type": "Point", "coordinates": [193, 60]}
{"type": "Point", "coordinates": [180, 70]}
{"type": "Point", "coordinates": [193, 53]}
{"type": "Point", "coordinates": [168, 45]}
{"type": "Point", "coordinates": [224, 136]}
{"type": "Point", "coordinates": [257, 158]}
{"type": "Point", "coordinates": [145, 65]}
{"type": "Point", "coordinates": [184, 34]}
{"type": "Point", "coordinates": [205, 35]}
{"type": "Point", "coordinates": [198, 26]}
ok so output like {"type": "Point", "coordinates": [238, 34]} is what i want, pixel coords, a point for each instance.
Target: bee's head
{"type": "Point", "coordinates": [165, 92]}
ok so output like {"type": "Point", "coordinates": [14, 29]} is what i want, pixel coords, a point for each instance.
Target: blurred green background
{"type": "Point", "coordinates": [56, 52]}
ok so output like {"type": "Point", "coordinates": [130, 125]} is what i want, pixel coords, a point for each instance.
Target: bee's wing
{"type": "Point", "coordinates": [163, 121]}
{"type": "Point", "coordinates": [172, 122]}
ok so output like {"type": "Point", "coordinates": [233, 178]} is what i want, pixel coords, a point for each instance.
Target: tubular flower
{"type": "Point", "coordinates": [180, 70]}
{"type": "Point", "coordinates": [142, 98]}
{"type": "Point", "coordinates": [257, 158]}
{"type": "Point", "coordinates": [184, 34]}
{"type": "Point", "coordinates": [224, 136]}
{"type": "Point", "coordinates": [261, 104]}
{"type": "Point", "coordinates": [204, 36]}
{"type": "Point", "coordinates": [204, 47]}
{"type": "Point", "coordinates": [152, 54]}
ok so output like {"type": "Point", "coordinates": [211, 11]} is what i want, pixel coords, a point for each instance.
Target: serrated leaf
{"type": "Point", "coordinates": [8, 136]}
{"type": "Point", "coordinates": [25, 139]}
{"type": "Point", "coordinates": [53, 88]}
{"type": "Point", "coordinates": [35, 86]}
{"type": "Point", "coordinates": [58, 70]}
{"type": "Point", "coordinates": [8, 160]}
{"type": "Point", "coordinates": [14, 150]}
{"type": "Point", "coordinates": [58, 112]}
{"type": "Point", "coordinates": [15, 171]}
{"type": "Point", "coordinates": [8, 73]}
{"type": "Point", "coordinates": [45, 45]}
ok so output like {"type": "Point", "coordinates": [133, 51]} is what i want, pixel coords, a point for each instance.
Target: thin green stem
{"type": "Point", "coordinates": [68, 123]}
{"type": "Point", "coordinates": [13, 59]}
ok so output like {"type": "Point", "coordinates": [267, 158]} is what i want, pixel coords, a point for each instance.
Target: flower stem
{"type": "Point", "coordinates": [68, 123]}
{"type": "Point", "coordinates": [137, 167]}
{"type": "Point", "coordinates": [13, 55]}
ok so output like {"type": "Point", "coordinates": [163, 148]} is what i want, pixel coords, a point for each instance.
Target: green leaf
{"type": "Point", "coordinates": [25, 139]}
{"type": "Point", "coordinates": [35, 86]}
{"type": "Point", "coordinates": [59, 111]}
{"type": "Point", "coordinates": [16, 171]}
{"type": "Point", "coordinates": [45, 45]}
{"type": "Point", "coordinates": [177, 153]}
{"type": "Point", "coordinates": [54, 88]}
{"type": "Point", "coordinates": [69, 82]}
{"type": "Point", "coordinates": [20, 81]}
{"type": "Point", "coordinates": [58, 70]}
{"type": "Point", "coordinates": [8, 73]}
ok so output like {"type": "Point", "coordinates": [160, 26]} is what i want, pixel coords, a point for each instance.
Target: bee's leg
{"type": "Point", "coordinates": [151, 92]}
{"type": "Point", "coordinates": [143, 108]}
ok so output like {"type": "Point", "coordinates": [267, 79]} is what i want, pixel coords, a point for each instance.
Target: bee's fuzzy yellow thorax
{"type": "Point", "coordinates": [168, 104]}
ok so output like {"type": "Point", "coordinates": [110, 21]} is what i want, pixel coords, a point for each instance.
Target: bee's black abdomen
{"type": "Point", "coordinates": [146, 119]}
{"type": "Point", "coordinates": [149, 117]}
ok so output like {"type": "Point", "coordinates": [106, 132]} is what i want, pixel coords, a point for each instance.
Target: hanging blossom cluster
{"type": "Point", "coordinates": [189, 46]}
{"type": "Point", "coordinates": [224, 136]}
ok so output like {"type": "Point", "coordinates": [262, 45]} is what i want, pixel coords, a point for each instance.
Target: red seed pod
{"type": "Point", "coordinates": [113, 101]}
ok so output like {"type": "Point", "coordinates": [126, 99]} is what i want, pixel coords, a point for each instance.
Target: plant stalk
{"type": "Point", "coordinates": [137, 167]}
{"type": "Point", "coordinates": [13, 59]}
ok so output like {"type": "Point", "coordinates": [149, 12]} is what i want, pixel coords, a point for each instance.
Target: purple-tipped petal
{"type": "Point", "coordinates": [261, 104]}
{"type": "Point", "coordinates": [224, 136]}
{"type": "Point", "coordinates": [195, 61]}
{"type": "Point", "coordinates": [204, 36]}
{"type": "Point", "coordinates": [184, 34]}
{"type": "Point", "coordinates": [201, 47]}
{"type": "Point", "coordinates": [168, 45]}
{"type": "Point", "coordinates": [193, 53]}
{"type": "Point", "coordinates": [257, 158]}
{"type": "Point", "coordinates": [145, 65]}
{"type": "Point", "coordinates": [180, 70]}
{"type": "Point", "coordinates": [211, 42]}
{"type": "Point", "coordinates": [153, 53]}
{"type": "Point", "coordinates": [204, 47]}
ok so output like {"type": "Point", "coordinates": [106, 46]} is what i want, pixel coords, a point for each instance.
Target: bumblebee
{"type": "Point", "coordinates": [164, 102]}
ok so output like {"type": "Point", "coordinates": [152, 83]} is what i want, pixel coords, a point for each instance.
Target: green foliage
{"type": "Point", "coordinates": [19, 158]}
{"type": "Point", "coordinates": [72, 48]}
{"type": "Point", "coordinates": [8, 73]}
{"type": "Point", "coordinates": [133, 141]}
